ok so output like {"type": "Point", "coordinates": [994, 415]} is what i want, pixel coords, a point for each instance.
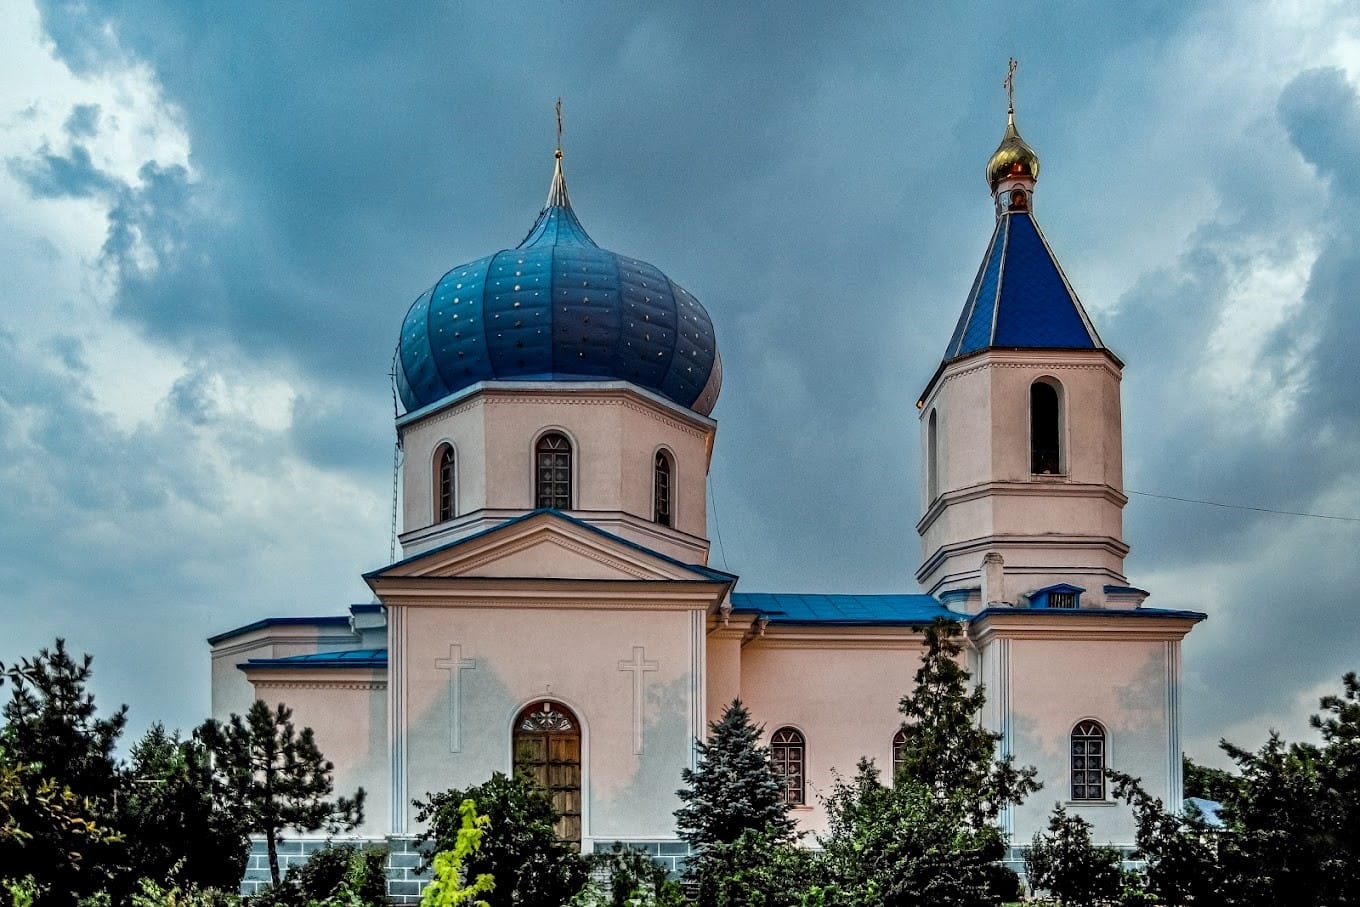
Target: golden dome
{"type": "Point", "coordinates": [1012, 157]}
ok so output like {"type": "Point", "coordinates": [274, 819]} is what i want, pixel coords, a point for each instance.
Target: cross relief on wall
{"type": "Point", "coordinates": [455, 664]}
{"type": "Point", "coordinates": [640, 668]}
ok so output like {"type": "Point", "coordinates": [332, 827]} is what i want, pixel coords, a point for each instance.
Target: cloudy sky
{"type": "Point", "coordinates": [214, 216]}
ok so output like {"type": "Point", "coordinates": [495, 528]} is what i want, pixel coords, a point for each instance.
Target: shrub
{"type": "Point", "coordinates": [1068, 865]}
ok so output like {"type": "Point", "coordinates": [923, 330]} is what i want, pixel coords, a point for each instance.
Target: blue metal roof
{"type": "Point", "coordinates": [558, 308]}
{"type": "Point", "coordinates": [1020, 297]}
{"type": "Point", "coordinates": [354, 658]}
{"type": "Point", "coordinates": [328, 621]}
{"type": "Point", "coordinates": [794, 608]}
{"type": "Point", "coordinates": [1210, 810]}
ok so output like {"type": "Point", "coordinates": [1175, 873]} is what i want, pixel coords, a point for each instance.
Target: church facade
{"type": "Point", "coordinates": [554, 611]}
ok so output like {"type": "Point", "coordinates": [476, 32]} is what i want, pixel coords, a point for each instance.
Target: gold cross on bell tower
{"type": "Point", "coordinates": [1008, 82]}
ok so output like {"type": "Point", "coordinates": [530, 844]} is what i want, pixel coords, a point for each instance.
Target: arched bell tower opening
{"type": "Point", "coordinates": [1045, 427]}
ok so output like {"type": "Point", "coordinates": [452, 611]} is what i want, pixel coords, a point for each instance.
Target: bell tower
{"type": "Point", "coordinates": [1021, 436]}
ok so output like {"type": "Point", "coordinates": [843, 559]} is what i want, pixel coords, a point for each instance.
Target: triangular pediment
{"type": "Point", "coordinates": [545, 545]}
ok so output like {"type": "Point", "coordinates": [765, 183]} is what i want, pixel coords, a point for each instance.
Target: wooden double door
{"type": "Point", "coordinates": [547, 748]}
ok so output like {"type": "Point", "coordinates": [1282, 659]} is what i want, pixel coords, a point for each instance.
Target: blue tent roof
{"type": "Point", "coordinates": [558, 308]}
{"type": "Point", "coordinates": [794, 608]}
{"type": "Point", "coordinates": [1020, 297]}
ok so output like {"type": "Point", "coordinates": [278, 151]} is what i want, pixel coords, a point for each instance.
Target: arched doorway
{"type": "Point", "coordinates": [547, 748]}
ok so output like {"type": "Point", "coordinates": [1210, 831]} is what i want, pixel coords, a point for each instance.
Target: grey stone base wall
{"type": "Point", "coordinates": [668, 853]}
{"type": "Point", "coordinates": [403, 881]}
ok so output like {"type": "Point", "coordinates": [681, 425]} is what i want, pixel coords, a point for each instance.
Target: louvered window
{"type": "Point", "coordinates": [444, 480]}
{"type": "Point", "coordinates": [661, 488]}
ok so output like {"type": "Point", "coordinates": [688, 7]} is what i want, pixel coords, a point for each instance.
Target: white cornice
{"type": "Point", "coordinates": [294, 635]}
{"type": "Point", "coordinates": [582, 595]}
{"type": "Point", "coordinates": [317, 684]}
{"type": "Point", "coordinates": [1085, 626]}
{"type": "Point", "coordinates": [1046, 359]}
{"type": "Point", "coordinates": [1038, 486]}
{"type": "Point", "coordinates": [585, 393]}
{"type": "Point", "coordinates": [1000, 542]}
{"type": "Point", "coordinates": [824, 638]}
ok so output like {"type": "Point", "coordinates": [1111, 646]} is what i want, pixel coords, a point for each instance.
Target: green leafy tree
{"type": "Point", "coordinates": [1206, 782]}
{"type": "Point", "coordinates": [35, 812]}
{"type": "Point", "coordinates": [907, 845]}
{"type": "Point", "coordinates": [634, 880]}
{"type": "Point", "coordinates": [62, 777]}
{"type": "Point", "coordinates": [1068, 865]}
{"type": "Point", "coordinates": [761, 868]}
{"type": "Point", "coordinates": [175, 830]}
{"type": "Point", "coordinates": [733, 789]}
{"type": "Point", "coordinates": [519, 848]}
{"type": "Point", "coordinates": [447, 888]}
{"type": "Point", "coordinates": [274, 777]}
{"type": "Point", "coordinates": [1181, 852]}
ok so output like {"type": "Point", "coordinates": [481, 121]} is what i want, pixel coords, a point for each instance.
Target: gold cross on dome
{"type": "Point", "coordinates": [559, 127]}
{"type": "Point", "coordinates": [1009, 82]}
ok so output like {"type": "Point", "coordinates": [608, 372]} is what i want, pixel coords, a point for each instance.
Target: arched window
{"type": "Point", "coordinates": [1088, 761]}
{"type": "Point", "coordinates": [1045, 429]}
{"type": "Point", "coordinates": [662, 488]}
{"type": "Point", "coordinates": [552, 473]}
{"type": "Point", "coordinates": [444, 476]}
{"type": "Point", "coordinates": [787, 754]}
{"type": "Point", "coordinates": [932, 459]}
{"type": "Point", "coordinates": [547, 748]}
{"type": "Point", "coordinates": [899, 753]}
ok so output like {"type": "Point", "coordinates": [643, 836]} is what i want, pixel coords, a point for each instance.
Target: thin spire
{"type": "Point", "coordinates": [557, 192]}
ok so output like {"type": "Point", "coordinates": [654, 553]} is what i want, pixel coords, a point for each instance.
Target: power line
{"type": "Point", "coordinates": [1316, 516]}
{"type": "Point", "coordinates": [713, 502]}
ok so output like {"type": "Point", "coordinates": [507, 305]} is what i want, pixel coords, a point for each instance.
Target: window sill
{"type": "Point", "coordinates": [1098, 804]}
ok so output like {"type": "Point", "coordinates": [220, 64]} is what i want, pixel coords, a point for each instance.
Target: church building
{"type": "Point", "coordinates": [554, 611]}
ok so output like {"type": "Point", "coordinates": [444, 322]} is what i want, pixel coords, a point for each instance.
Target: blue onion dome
{"type": "Point", "coordinates": [558, 307]}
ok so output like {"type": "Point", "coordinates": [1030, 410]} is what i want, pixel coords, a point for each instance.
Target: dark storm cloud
{"type": "Point", "coordinates": [83, 123]}
{"type": "Point", "coordinates": [811, 173]}
{"type": "Point", "coordinates": [72, 175]}
{"type": "Point", "coordinates": [1321, 110]}
{"type": "Point", "coordinates": [1281, 582]}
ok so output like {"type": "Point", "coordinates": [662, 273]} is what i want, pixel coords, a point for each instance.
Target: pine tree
{"type": "Point", "coordinates": [60, 752]}
{"type": "Point", "coordinates": [734, 788]}
{"type": "Point", "coordinates": [944, 747]}
{"type": "Point", "coordinates": [173, 827]}
{"type": "Point", "coordinates": [275, 776]}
